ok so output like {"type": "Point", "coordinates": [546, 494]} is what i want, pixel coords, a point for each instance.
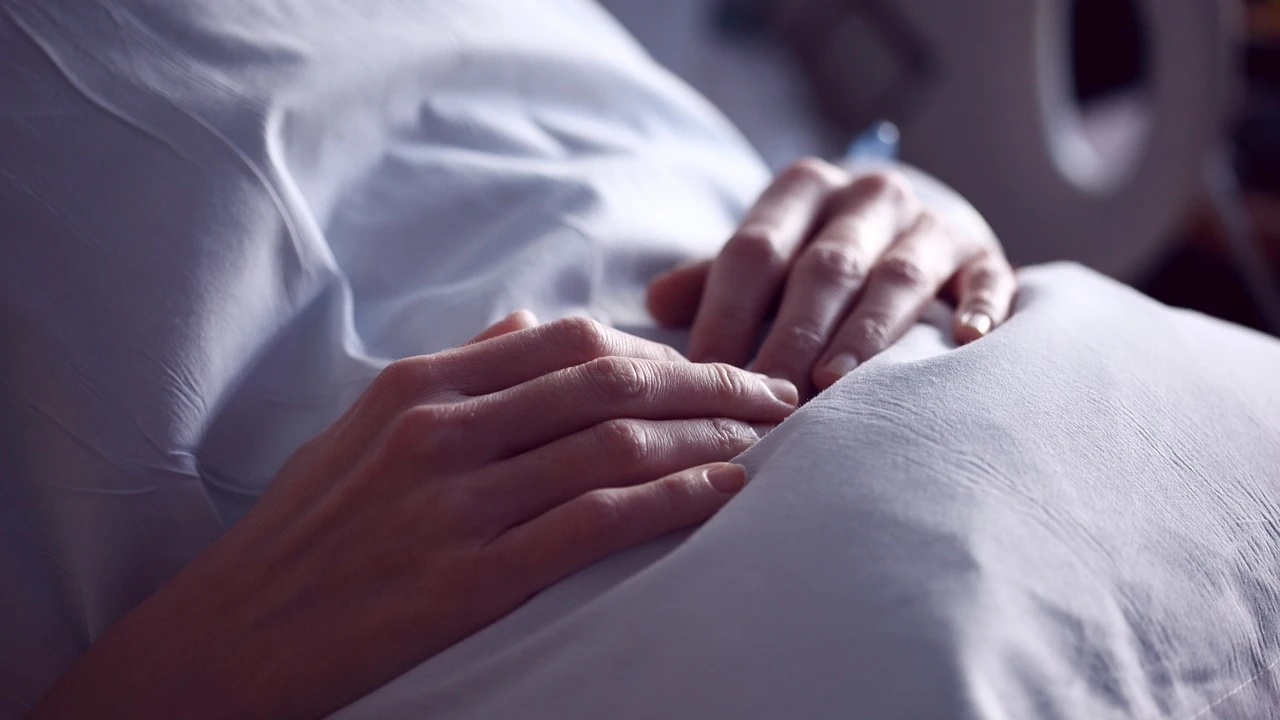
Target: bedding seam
{"type": "Point", "coordinates": [1257, 676]}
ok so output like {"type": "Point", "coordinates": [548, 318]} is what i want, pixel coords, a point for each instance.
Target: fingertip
{"type": "Point", "coordinates": [831, 370]}
{"type": "Point", "coordinates": [672, 298]}
{"type": "Point", "coordinates": [782, 389]}
{"type": "Point", "coordinates": [972, 325]}
{"type": "Point", "coordinates": [657, 300]}
{"type": "Point", "coordinates": [727, 478]}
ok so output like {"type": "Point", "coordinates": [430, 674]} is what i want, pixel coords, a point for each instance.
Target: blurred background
{"type": "Point", "coordinates": [1139, 137]}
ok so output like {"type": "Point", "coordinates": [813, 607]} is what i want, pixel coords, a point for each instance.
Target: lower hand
{"type": "Point", "coordinates": [849, 263]}
{"type": "Point", "coordinates": [456, 487]}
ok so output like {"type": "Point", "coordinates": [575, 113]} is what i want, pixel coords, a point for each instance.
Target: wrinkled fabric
{"type": "Point", "coordinates": [1075, 518]}
{"type": "Point", "coordinates": [222, 218]}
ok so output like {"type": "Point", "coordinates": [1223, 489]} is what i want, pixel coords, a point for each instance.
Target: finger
{"type": "Point", "coordinates": [673, 296]}
{"type": "Point", "coordinates": [744, 280]}
{"type": "Point", "coordinates": [865, 218]}
{"type": "Point", "coordinates": [985, 287]}
{"type": "Point", "coordinates": [521, 356]}
{"type": "Point", "coordinates": [595, 525]}
{"type": "Point", "coordinates": [615, 453]}
{"type": "Point", "coordinates": [899, 287]}
{"type": "Point", "coordinates": [568, 401]}
{"type": "Point", "coordinates": [518, 320]}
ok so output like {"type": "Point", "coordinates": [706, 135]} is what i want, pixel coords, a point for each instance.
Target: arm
{"type": "Point", "coordinates": [459, 485]}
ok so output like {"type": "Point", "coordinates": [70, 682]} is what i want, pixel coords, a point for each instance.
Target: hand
{"type": "Point", "coordinates": [456, 487]}
{"type": "Point", "coordinates": [853, 263]}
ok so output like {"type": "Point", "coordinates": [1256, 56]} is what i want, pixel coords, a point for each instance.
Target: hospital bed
{"type": "Point", "coordinates": [222, 219]}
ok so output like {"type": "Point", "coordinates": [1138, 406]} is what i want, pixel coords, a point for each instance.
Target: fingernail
{"type": "Point", "coordinates": [784, 390]}
{"type": "Point", "coordinates": [728, 478]}
{"type": "Point", "coordinates": [842, 364]}
{"type": "Point", "coordinates": [761, 430]}
{"type": "Point", "coordinates": [980, 322]}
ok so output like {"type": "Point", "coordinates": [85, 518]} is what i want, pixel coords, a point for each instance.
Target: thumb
{"type": "Point", "coordinates": [674, 296]}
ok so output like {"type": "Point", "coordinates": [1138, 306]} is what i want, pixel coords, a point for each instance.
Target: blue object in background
{"type": "Point", "coordinates": [879, 142]}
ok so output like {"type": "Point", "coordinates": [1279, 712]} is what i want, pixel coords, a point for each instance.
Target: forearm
{"type": "Point", "coordinates": [189, 650]}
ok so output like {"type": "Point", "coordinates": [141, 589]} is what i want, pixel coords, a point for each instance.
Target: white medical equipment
{"type": "Point", "coordinates": [983, 94]}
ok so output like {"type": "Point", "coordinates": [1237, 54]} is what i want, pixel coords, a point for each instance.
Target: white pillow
{"type": "Point", "coordinates": [1077, 517]}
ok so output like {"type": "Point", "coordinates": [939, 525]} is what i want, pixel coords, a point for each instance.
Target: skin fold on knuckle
{"type": "Point", "coordinates": [617, 379]}
{"type": "Point", "coordinates": [990, 278]}
{"type": "Point", "coordinates": [902, 272]}
{"type": "Point", "coordinates": [870, 335]}
{"type": "Point", "coordinates": [830, 264]}
{"type": "Point", "coordinates": [404, 379]}
{"type": "Point", "coordinates": [581, 339]}
{"type": "Point", "coordinates": [982, 301]}
{"type": "Point", "coordinates": [624, 442]}
{"type": "Point", "coordinates": [982, 280]}
{"type": "Point", "coordinates": [728, 437]}
{"type": "Point", "coordinates": [411, 426]}
{"type": "Point", "coordinates": [728, 384]}
{"type": "Point", "coordinates": [417, 432]}
{"type": "Point", "coordinates": [809, 167]}
{"type": "Point", "coordinates": [813, 172]}
{"type": "Point", "coordinates": [883, 186]}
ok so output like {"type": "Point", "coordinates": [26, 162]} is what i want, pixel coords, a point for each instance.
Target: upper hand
{"type": "Point", "coordinates": [456, 487]}
{"type": "Point", "coordinates": [849, 262]}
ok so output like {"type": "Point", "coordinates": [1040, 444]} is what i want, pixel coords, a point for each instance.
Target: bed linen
{"type": "Point", "coordinates": [222, 218]}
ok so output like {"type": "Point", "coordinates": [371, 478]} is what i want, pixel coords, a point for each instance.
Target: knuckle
{"type": "Point", "coordinates": [623, 441]}
{"type": "Point", "coordinates": [832, 264]}
{"type": "Point", "coordinates": [728, 382]}
{"type": "Point", "coordinates": [872, 334]}
{"type": "Point", "coordinates": [731, 436]}
{"type": "Point", "coordinates": [601, 512]}
{"type": "Point", "coordinates": [582, 338]}
{"type": "Point", "coordinates": [435, 429]}
{"type": "Point", "coordinates": [903, 272]}
{"type": "Point", "coordinates": [810, 169]}
{"type": "Point", "coordinates": [755, 245]}
{"type": "Point", "coordinates": [889, 184]}
{"type": "Point", "coordinates": [404, 378]}
{"type": "Point", "coordinates": [982, 299]}
{"type": "Point", "coordinates": [801, 338]}
{"type": "Point", "coordinates": [985, 278]}
{"type": "Point", "coordinates": [616, 378]}
{"type": "Point", "coordinates": [413, 431]}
